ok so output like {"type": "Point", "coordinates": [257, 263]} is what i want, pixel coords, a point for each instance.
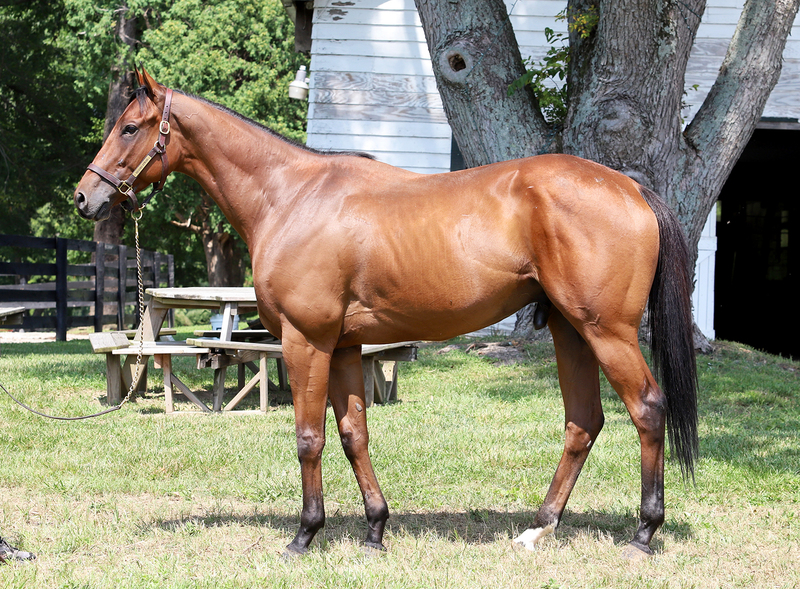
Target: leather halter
{"type": "Point", "coordinates": [159, 149]}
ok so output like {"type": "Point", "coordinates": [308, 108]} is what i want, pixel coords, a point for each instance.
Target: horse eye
{"type": "Point", "coordinates": [129, 130]}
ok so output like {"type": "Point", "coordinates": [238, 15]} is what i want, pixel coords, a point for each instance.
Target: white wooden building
{"type": "Point", "coordinates": [372, 88]}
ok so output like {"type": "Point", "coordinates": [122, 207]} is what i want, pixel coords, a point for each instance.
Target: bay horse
{"type": "Point", "coordinates": [347, 251]}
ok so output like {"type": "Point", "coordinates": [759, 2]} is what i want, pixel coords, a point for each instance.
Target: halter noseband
{"type": "Point", "coordinates": [159, 149]}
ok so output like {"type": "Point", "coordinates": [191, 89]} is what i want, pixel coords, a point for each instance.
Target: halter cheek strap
{"type": "Point", "coordinates": [125, 187]}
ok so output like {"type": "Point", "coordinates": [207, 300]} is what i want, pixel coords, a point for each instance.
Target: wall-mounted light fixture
{"type": "Point", "coordinates": [299, 88]}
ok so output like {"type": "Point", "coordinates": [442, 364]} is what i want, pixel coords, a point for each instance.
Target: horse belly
{"type": "Point", "coordinates": [436, 311]}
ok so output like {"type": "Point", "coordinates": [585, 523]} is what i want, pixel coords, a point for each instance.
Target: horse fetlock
{"type": "Point", "coordinates": [530, 537]}
{"type": "Point", "coordinates": [377, 510]}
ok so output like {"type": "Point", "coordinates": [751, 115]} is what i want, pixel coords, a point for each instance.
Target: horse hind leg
{"type": "Point", "coordinates": [579, 378]}
{"type": "Point", "coordinates": [346, 393]}
{"type": "Point", "coordinates": [625, 368]}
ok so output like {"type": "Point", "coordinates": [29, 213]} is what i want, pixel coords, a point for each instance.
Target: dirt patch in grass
{"type": "Point", "coordinates": [504, 353]}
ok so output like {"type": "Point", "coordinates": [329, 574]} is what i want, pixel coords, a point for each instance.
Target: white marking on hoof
{"type": "Point", "coordinates": [531, 536]}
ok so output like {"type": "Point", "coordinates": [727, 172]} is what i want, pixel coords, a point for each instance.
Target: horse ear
{"type": "Point", "coordinates": [153, 88]}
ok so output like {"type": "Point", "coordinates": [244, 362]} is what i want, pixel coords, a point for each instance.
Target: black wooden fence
{"type": "Point", "coordinates": [66, 283]}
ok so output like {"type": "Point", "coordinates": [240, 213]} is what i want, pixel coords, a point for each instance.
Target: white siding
{"type": "Point", "coordinates": [715, 32]}
{"type": "Point", "coordinates": [703, 295]}
{"type": "Point", "coordinates": [372, 86]}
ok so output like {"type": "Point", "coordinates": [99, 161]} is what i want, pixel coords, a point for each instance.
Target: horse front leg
{"type": "Point", "coordinates": [308, 368]}
{"type": "Point", "coordinates": [579, 378]}
{"type": "Point", "coordinates": [346, 393]}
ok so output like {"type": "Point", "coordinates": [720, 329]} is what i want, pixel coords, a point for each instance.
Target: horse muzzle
{"type": "Point", "coordinates": [94, 209]}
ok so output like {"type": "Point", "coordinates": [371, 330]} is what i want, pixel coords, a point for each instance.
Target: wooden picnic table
{"type": "Point", "coordinates": [227, 301]}
{"type": "Point", "coordinates": [222, 348]}
{"type": "Point", "coordinates": [11, 315]}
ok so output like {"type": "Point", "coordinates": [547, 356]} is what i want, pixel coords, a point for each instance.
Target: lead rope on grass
{"type": "Point", "coordinates": [140, 335]}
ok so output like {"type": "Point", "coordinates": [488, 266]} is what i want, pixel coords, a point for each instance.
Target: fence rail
{"type": "Point", "coordinates": [75, 283]}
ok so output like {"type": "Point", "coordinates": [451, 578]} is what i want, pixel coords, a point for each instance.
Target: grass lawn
{"type": "Point", "coordinates": [137, 499]}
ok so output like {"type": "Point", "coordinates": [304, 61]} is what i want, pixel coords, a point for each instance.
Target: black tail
{"type": "Point", "coordinates": [671, 339]}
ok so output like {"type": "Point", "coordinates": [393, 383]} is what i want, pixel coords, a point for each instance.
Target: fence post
{"type": "Point", "coordinates": [61, 289]}
{"type": "Point", "coordinates": [122, 288]}
{"type": "Point", "coordinates": [99, 283]}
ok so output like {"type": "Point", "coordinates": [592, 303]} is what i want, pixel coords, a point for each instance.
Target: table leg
{"type": "Point", "coordinates": [152, 321]}
{"type": "Point", "coordinates": [219, 388]}
{"type": "Point", "coordinates": [262, 363]}
{"type": "Point", "coordinates": [228, 311]}
{"type": "Point", "coordinates": [166, 366]}
{"type": "Point", "coordinates": [129, 371]}
{"type": "Point", "coordinates": [113, 380]}
{"type": "Point", "coordinates": [368, 368]}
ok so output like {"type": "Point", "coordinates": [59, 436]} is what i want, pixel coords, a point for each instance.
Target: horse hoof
{"type": "Point", "coordinates": [530, 537]}
{"type": "Point", "coordinates": [292, 553]}
{"type": "Point", "coordinates": [373, 550]}
{"type": "Point", "coordinates": [636, 552]}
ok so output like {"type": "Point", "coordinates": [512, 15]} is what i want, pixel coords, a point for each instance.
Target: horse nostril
{"type": "Point", "coordinates": [80, 199]}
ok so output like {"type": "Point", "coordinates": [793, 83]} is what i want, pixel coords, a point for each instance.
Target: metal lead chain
{"type": "Point", "coordinates": [140, 301]}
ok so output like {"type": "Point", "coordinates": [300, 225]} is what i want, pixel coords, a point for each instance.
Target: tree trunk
{"type": "Point", "coordinates": [626, 83]}
{"type": "Point", "coordinates": [223, 260]}
{"type": "Point", "coordinates": [119, 92]}
{"type": "Point", "coordinates": [475, 58]}
{"type": "Point", "coordinates": [223, 253]}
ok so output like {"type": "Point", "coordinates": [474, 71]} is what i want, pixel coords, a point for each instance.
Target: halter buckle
{"type": "Point", "coordinates": [124, 188]}
{"type": "Point", "coordinates": [163, 128]}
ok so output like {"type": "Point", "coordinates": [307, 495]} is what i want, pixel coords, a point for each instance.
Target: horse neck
{"type": "Point", "coordinates": [240, 165]}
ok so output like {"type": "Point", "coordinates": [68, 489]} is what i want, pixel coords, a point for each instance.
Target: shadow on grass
{"type": "Point", "coordinates": [474, 527]}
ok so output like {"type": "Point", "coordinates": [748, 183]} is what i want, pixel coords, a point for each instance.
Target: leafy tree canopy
{"type": "Point", "coordinates": [55, 69]}
{"type": "Point", "coordinates": [46, 126]}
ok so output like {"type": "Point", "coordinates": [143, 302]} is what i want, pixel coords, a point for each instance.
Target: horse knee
{"type": "Point", "coordinates": [355, 440]}
{"type": "Point", "coordinates": [309, 445]}
{"type": "Point", "coordinates": [579, 438]}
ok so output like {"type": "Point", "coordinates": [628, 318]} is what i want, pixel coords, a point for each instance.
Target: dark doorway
{"type": "Point", "coordinates": [757, 295]}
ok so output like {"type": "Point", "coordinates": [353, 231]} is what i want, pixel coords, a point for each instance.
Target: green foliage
{"type": "Point", "coordinates": [239, 53]}
{"type": "Point", "coordinates": [44, 120]}
{"type": "Point", "coordinates": [55, 68]}
{"type": "Point", "coordinates": [548, 78]}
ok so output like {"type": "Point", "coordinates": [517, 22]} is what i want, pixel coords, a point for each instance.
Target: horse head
{"type": "Point", "coordinates": [124, 164]}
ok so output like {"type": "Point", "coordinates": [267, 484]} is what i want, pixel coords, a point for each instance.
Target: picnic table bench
{"type": "Point", "coordinates": [10, 316]}
{"type": "Point", "coordinates": [378, 362]}
{"type": "Point", "coordinates": [119, 376]}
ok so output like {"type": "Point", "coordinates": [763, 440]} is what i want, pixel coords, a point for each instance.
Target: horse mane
{"type": "Point", "coordinates": [140, 94]}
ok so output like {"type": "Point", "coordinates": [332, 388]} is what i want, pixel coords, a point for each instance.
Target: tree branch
{"type": "Point", "coordinates": [185, 223]}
